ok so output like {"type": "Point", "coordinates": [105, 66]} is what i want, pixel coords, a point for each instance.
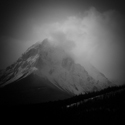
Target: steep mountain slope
{"type": "Point", "coordinates": [45, 64]}
{"type": "Point", "coordinates": [30, 90]}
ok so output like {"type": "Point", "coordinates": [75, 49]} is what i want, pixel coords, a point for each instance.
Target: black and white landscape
{"type": "Point", "coordinates": [47, 73]}
{"type": "Point", "coordinates": [45, 78]}
{"type": "Point", "coordinates": [62, 61]}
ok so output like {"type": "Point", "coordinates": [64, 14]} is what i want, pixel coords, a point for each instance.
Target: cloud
{"type": "Point", "coordinates": [96, 37]}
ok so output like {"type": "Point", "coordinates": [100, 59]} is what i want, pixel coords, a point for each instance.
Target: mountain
{"type": "Point", "coordinates": [45, 72]}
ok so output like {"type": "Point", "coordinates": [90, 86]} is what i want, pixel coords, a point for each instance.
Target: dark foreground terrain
{"type": "Point", "coordinates": [105, 107]}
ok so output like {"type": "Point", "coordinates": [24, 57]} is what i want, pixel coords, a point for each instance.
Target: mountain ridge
{"type": "Point", "coordinates": [47, 61]}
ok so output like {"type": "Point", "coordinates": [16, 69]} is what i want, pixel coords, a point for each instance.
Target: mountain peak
{"type": "Point", "coordinates": [54, 64]}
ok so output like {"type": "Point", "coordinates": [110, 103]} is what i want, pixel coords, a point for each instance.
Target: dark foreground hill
{"type": "Point", "coordinates": [104, 107]}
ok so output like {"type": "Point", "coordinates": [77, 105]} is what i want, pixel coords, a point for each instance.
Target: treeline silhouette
{"type": "Point", "coordinates": [106, 106]}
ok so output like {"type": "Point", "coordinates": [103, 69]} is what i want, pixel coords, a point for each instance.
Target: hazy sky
{"type": "Point", "coordinates": [92, 30]}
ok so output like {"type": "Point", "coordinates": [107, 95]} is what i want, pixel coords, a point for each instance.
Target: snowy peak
{"type": "Point", "coordinates": [54, 64]}
{"type": "Point", "coordinates": [26, 64]}
{"type": "Point", "coordinates": [22, 67]}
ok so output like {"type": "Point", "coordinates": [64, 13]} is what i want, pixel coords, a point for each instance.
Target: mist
{"type": "Point", "coordinates": [95, 37]}
{"type": "Point", "coordinates": [87, 31]}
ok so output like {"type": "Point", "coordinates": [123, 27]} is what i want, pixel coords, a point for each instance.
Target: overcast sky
{"type": "Point", "coordinates": [95, 28]}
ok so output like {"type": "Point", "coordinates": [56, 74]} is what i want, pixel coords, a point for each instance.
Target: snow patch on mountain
{"type": "Point", "coordinates": [54, 64]}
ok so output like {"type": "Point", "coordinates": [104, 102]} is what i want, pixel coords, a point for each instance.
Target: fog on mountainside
{"type": "Point", "coordinates": [92, 36]}
{"type": "Point", "coordinates": [62, 61]}
{"type": "Point", "coordinates": [48, 66]}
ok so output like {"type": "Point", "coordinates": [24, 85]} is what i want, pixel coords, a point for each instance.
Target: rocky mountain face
{"type": "Point", "coordinates": [53, 65]}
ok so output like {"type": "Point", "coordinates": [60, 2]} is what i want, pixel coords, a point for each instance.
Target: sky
{"type": "Point", "coordinates": [91, 30]}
